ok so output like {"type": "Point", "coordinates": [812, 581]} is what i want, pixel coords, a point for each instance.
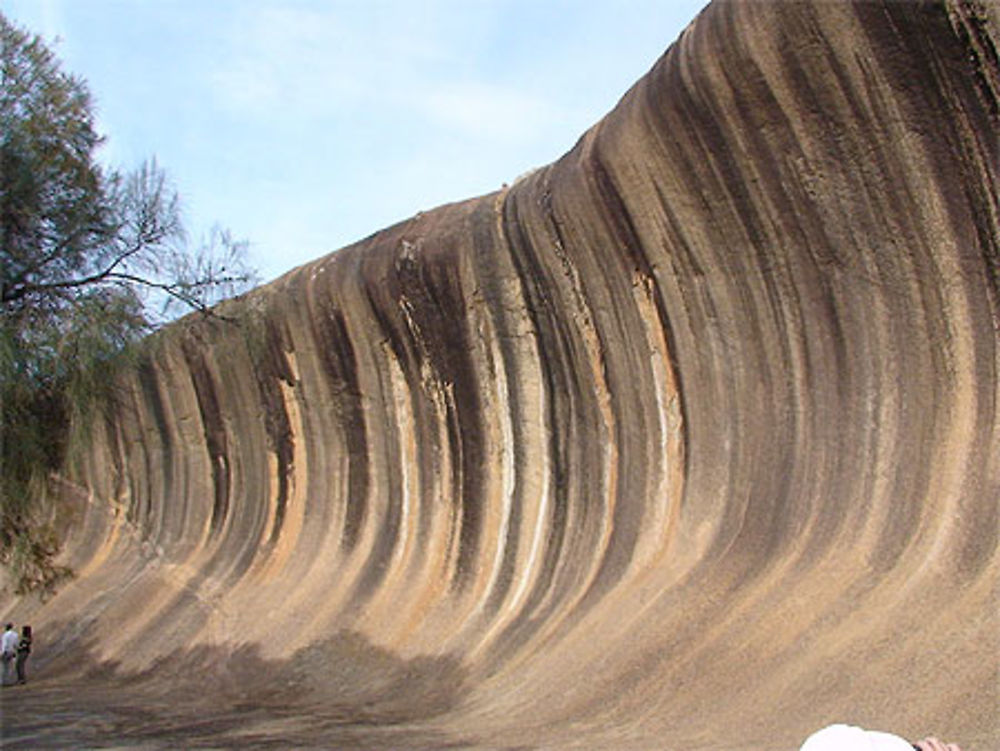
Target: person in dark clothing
{"type": "Point", "coordinates": [23, 650]}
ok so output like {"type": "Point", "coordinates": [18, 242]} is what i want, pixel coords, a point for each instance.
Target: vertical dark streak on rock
{"type": "Point", "coordinates": [560, 398]}
{"type": "Point", "coordinates": [216, 443]}
{"type": "Point", "coordinates": [153, 397]}
{"type": "Point", "coordinates": [684, 265]}
{"type": "Point", "coordinates": [571, 412]}
{"type": "Point", "coordinates": [450, 336]}
{"type": "Point", "coordinates": [487, 247]}
{"type": "Point", "coordinates": [709, 393]}
{"type": "Point", "coordinates": [628, 516]}
{"type": "Point", "coordinates": [271, 367]}
{"type": "Point", "coordinates": [386, 300]}
{"type": "Point", "coordinates": [337, 356]}
{"type": "Point", "coordinates": [111, 423]}
{"type": "Point", "coordinates": [431, 291]}
{"type": "Point", "coordinates": [387, 533]}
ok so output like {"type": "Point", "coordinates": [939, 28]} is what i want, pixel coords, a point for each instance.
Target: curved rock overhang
{"type": "Point", "coordinates": [689, 436]}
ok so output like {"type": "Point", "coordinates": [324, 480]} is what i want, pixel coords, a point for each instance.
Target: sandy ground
{"type": "Point", "coordinates": [207, 699]}
{"type": "Point", "coordinates": [98, 714]}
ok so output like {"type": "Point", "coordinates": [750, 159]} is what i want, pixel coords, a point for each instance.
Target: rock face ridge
{"type": "Point", "coordinates": [688, 438]}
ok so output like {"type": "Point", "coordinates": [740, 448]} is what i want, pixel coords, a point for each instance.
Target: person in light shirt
{"type": "Point", "coordinates": [850, 738]}
{"type": "Point", "coordinates": [8, 645]}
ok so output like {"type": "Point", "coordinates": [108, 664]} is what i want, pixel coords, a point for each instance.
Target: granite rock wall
{"type": "Point", "coordinates": [689, 437]}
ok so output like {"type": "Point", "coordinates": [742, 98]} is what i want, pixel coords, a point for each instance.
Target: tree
{"type": "Point", "coordinates": [91, 260]}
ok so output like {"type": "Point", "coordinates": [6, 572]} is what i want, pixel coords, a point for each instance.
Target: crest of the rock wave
{"type": "Point", "coordinates": [688, 440]}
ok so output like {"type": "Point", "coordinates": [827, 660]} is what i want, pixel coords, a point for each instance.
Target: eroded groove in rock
{"type": "Point", "coordinates": [690, 436]}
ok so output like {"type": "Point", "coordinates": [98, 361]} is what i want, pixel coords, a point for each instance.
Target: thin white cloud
{"type": "Point", "coordinates": [488, 111]}
{"type": "Point", "coordinates": [318, 59]}
{"type": "Point", "coordinates": [51, 19]}
{"type": "Point", "coordinates": [272, 56]}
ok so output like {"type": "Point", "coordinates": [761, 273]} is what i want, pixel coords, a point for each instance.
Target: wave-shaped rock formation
{"type": "Point", "coordinates": [688, 440]}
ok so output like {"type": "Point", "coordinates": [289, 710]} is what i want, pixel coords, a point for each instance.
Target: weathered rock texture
{"type": "Point", "coordinates": [688, 440]}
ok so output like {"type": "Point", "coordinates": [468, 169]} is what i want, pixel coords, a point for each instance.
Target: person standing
{"type": "Point", "coordinates": [8, 646]}
{"type": "Point", "coordinates": [23, 650]}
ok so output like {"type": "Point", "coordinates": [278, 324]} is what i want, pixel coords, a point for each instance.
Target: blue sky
{"type": "Point", "coordinates": [305, 125]}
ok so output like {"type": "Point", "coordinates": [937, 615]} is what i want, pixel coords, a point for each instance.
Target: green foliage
{"type": "Point", "coordinates": [91, 260]}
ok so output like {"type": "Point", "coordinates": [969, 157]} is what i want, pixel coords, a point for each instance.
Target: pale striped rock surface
{"type": "Point", "coordinates": [688, 440]}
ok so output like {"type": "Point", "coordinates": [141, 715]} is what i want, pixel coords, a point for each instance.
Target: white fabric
{"type": "Point", "coordinates": [849, 738]}
{"type": "Point", "coordinates": [8, 645]}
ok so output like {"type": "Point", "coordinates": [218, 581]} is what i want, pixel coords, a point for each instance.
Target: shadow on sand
{"type": "Point", "coordinates": [341, 693]}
